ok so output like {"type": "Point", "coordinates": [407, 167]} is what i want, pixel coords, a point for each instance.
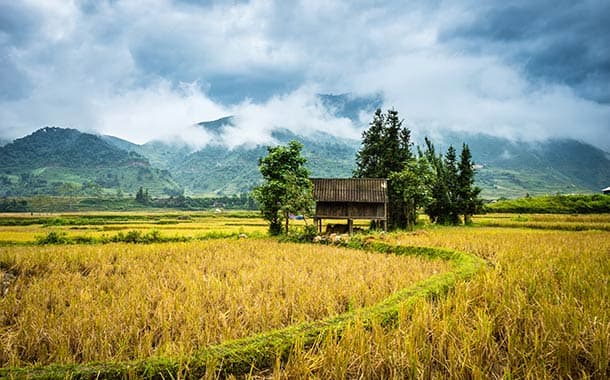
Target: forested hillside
{"type": "Point", "coordinates": [57, 161]}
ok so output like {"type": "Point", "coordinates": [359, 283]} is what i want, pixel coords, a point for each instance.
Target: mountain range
{"type": "Point", "coordinates": [58, 161]}
{"type": "Point", "coordinates": [61, 161]}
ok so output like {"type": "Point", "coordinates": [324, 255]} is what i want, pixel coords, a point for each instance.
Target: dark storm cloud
{"type": "Point", "coordinates": [562, 42]}
{"type": "Point", "coordinates": [14, 84]}
{"type": "Point", "coordinates": [232, 89]}
{"type": "Point", "coordinates": [17, 23]}
{"type": "Point", "coordinates": [145, 69]}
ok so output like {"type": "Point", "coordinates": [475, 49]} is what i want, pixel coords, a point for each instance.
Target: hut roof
{"type": "Point", "coordinates": [363, 190]}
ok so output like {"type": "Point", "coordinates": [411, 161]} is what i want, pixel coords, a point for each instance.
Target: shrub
{"type": "Point", "coordinates": [53, 237]}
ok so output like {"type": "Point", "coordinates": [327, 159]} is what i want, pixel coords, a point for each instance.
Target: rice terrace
{"type": "Point", "coordinates": [477, 301]}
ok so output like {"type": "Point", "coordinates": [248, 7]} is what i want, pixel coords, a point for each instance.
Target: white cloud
{"type": "Point", "coordinates": [300, 111]}
{"type": "Point", "coordinates": [482, 94]}
{"type": "Point", "coordinates": [120, 68]}
{"type": "Point", "coordinates": [158, 113]}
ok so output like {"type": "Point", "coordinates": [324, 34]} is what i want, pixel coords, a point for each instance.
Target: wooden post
{"type": "Point", "coordinates": [385, 215]}
{"type": "Point", "coordinates": [350, 226]}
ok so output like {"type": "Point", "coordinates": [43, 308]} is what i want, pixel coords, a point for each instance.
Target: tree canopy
{"type": "Point", "coordinates": [386, 151]}
{"type": "Point", "coordinates": [439, 184]}
{"type": "Point", "coordinates": [286, 189]}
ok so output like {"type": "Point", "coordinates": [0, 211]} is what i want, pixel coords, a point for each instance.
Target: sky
{"type": "Point", "coordinates": [151, 69]}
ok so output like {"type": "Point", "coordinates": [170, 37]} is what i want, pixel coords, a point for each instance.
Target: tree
{"type": "Point", "coordinates": [369, 158]}
{"type": "Point", "coordinates": [467, 192]}
{"type": "Point", "coordinates": [410, 185]}
{"type": "Point", "coordinates": [386, 150]}
{"type": "Point", "coordinates": [287, 188]}
{"type": "Point", "coordinates": [452, 188]}
{"type": "Point", "coordinates": [142, 196]}
{"type": "Point", "coordinates": [438, 206]}
{"type": "Point", "coordinates": [451, 180]}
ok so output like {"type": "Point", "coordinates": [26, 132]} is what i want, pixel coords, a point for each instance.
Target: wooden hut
{"type": "Point", "coordinates": [350, 198]}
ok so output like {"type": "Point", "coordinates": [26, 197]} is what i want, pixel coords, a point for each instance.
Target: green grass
{"type": "Point", "coordinates": [554, 204]}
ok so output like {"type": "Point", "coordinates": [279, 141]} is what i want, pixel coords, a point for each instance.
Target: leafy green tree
{"type": "Point", "coordinates": [287, 188]}
{"type": "Point", "coordinates": [411, 187]}
{"type": "Point", "coordinates": [467, 192]}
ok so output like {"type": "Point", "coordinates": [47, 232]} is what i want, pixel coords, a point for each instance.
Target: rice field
{"type": "Point", "coordinates": [116, 302]}
{"type": "Point", "coordinates": [539, 309]}
{"type": "Point", "coordinates": [569, 222]}
{"type": "Point", "coordinates": [27, 228]}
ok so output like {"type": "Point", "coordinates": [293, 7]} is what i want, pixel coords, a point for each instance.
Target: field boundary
{"type": "Point", "coordinates": [241, 356]}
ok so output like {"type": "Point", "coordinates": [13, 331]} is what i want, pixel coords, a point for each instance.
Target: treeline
{"type": "Point", "coordinates": [554, 204]}
{"type": "Point", "coordinates": [13, 205]}
{"type": "Point", "coordinates": [60, 204]}
{"type": "Point", "coordinates": [243, 201]}
{"type": "Point", "coordinates": [441, 185]}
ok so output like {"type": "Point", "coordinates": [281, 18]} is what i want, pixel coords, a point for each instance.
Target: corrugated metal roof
{"type": "Point", "coordinates": [365, 190]}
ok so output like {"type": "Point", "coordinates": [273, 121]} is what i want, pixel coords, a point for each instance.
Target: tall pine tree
{"type": "Point", "coordinates": [369, 159]}
{"type": "Point", "coordinates": [452, 189]}
{"type": "Point", "coordinates": [386, 149]}
{"type": "Point", "coordinates": [438, 206]}
{"type": "Point", "coordinates": [451, 180]}
{"type": "Point", "coordinates": [467, 192]}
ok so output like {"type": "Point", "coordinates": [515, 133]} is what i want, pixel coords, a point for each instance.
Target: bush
{"type": "Point", "coordinates": [301, 235]}
{"type": "Point", "coordinates": [53, 237]}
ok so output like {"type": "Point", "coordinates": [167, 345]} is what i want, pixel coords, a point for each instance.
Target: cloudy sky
{"type": "Point", "coordinates": [150, 69]}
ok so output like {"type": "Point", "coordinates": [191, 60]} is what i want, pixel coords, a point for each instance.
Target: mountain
{"type": "Point", "coordinates": [66, 161]}
{"type": "Point", "coordinates": [505, 168]}
{"type": "Point", "coordinates": [60, 161]}
{"type": "Point", "coordinates": [230, 171]}
{"type": "Point", "coordinates": [216, 127]}
{"type": "Point", "coordinates": [217, 170]}
{"type": "Point", "coordinates": [349, 106]}
{"type": "Point", "coordinates": [508, 168]}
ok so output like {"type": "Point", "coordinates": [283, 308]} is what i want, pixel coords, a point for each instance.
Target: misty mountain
{"type": "Point", "coordinates": [66, 161]}
{"type": "Point", "coordinates": [217, 170]}
{"type": "Point", "coordinates": [59, 161]}
{"type": "Point", "coordinates": [508, 168]}
{"type": "Point", "coordinates": [348, 106]}
{"type": "Point", "coordinates": [216, 127]}
{"type": "Point", "coordinates": [220, 171]}
{"type": "Point", "coordinates": [505, 168]}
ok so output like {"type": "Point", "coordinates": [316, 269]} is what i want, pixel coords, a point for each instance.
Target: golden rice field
{"type": "Point", "coordinates": [180, 224]}
{"type": "Point", "coordinates": [115, 302]}
{"type": "Point", "coordinates": [539, 309]}
{"type": "Point", "coordinates": [191, 225]}
{"type": "Point", "coordinates": [568, 222]}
